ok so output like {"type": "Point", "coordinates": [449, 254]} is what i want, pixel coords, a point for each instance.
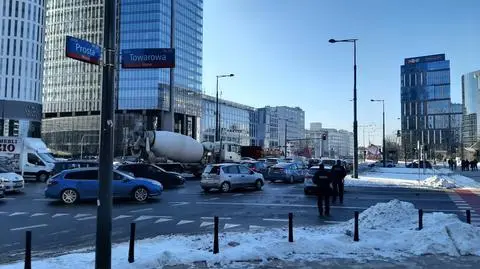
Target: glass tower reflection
{"type": "Point", "coordinates": [471, 113]}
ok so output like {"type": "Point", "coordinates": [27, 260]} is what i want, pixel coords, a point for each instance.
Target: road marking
{"type": "Point", "coordinates": [141, 210]}
{"type": "Point", "coordinates": [228, 226]}
{"type": "Point", "coordinates": [206, 223]}
{"type": "Point", "coordinates": [122, 217]}
{"type": "Point", "coordinates": [178, 203]}
{"type": "Point", "coordinates": [238, 194]}
{"type": "Point", "coordinates": [87, 218]}
{"type": "Point", "coordinates": [43, 199]}
{"type": "Point", "coordinates": [61, 232]}
{"type": "Point", "coordinates": [275, 219]}
{"type": "Point", "coordinates": [3, 212]}
{"type": "Point", "coordinates": [82, 215]}
{"type": "Point", "coordinates": [9, 198]}
{"type": "Point", "coordinates": [28, 227]}
{"type": "Point", "coordinates": [162, 220]}
{"type": "Point", "coordinates": [464, 207]}
{"type": "Point", "coordinates": [211, 218]}
{"type": "Point", "coordinates": [17, 213]}
{"type": "Point", "coordinates": [38, 214]}
{"type": "Point", "coordinates": [333, 221]}
{"type": "Point", "coordinates": [185, 222]}
{"type": "Point", "coordinates": [214, 198]}
{"type": "Point", "coordinates": [60, 215]}
{"type": "Point", "coordinates": [255, 227]}
{"type": "Point", "coordinates": [144, 218]}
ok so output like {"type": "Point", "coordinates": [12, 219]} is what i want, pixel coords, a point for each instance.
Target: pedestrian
{"type": "Point", "coordinates": [463, 165]}
{"type": "Point", "coordinates": [450, 164]}
{"type": "Point", "coordinates": [475, 164]}
{"type": "Point", "coordinates": [338, 174]}
{"type": "Point", "coordinates": [323, 181]}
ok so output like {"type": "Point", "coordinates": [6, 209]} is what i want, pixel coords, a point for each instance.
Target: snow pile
{"type": "Point", "coordinates": [438, 182]}
{"type": "Point", "coordinates": [387, 230]}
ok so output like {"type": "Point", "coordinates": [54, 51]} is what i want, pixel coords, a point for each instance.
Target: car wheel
{"type": "Point", "coordinates": [225, 187]}
{"type": "Point", "coordinates": [292, 180]}
{"type": "Point", "coordinates": [69, 196]}
{"type": "Point", "coordinates": [42, 177]}
{"type": "Point", "coordinates": [258, 185]}
{"type": "Point", "coordinates": [140, 194]}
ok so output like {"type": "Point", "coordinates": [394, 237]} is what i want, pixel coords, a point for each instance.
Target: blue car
{"type": "Point", "coordinates": [73, 185]}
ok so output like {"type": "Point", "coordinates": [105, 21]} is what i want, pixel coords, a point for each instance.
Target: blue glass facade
{"type": "Point", "coordinates": [427, 111]}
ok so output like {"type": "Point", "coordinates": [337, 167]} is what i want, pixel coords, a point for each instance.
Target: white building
{"type": "Point", "coordinates": [21, 67]}
{"type": "Point", "coordinates": [338, 143]}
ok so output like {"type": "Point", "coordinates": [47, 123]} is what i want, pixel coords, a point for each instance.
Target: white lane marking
{"type": "Point", "coordinates": [185, 222]}
{"type": "Point", "coordinates": [28, 227]}
{"type": "Point", "coordinates": [87, 218]}
{"type": "Point", "coordinates": [43, 199]}
{"type": "Point", "coordinates": [206, 223]}
{"type": "Point", "coordinates": [61, 232]}
{"type": "Point", "coordinates": [275, 219]}
{"type": "Point", "coordinates": [238, 194]}
{"type": "Point", "coordinates": [178, 203]}
{"type": "Point", "coordinates": [309, 206]}
{"type": "Point", "coordinates": [17, 213]}
{"type": "Point", "coordinates": [38, 214]}
{"type": "Point", "coordinates": [162, 220]}
{"type": "Point", "coordinates": [122, 217]}
{"type": "Point", "coordinates": [141, 210]}
{"type": "Point", "coordinates": [211, 218]}
{"type": "Point", "coordinates": [82, 215]}
{"type": "Point", "coordinates": [3, 212]}
{"type": "Point", "coordinates": [9, 198]}
{"type": "Point", "coordinates": [228, 226]}
{"type": "Point", "coordinates": [212, 199]}
{"type": "Point", "coordinates": [144, 218]}
{"type": "Point", "coordinates": [333, 221]}
{"type": "Point", "coordinates": [60, 215]}
{"type": "Point", "coordinates": [255, 227]}
{"type": "Point", "coordinates": [464, 207]}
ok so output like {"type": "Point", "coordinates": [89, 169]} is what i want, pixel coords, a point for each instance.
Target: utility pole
{"type": "Point", "coordinates": [285, 139]}
{"type": "Point", "coordinates": [103, 247]}
{"type": "Point", "coordinates": [171, 105]}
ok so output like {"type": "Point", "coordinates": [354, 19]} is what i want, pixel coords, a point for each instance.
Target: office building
{"type": "Point", "coordinates": [427, 114]}
{"type": "Point", "coordinates": [72, 88]}
{"type": "Point", "coordinates": [279, 125]}
{"type": "Point", "coordinates": [21, 67]}
{"type": "Point", "coordinates": [236, 124]}
{"type": "Point", "coordinates": [337, 143]}
{"type": "Point", "coordinates": [471, 115]}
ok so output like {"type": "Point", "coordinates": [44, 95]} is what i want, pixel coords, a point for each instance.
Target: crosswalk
{"type": "Point", "coordinates": [467, 201]}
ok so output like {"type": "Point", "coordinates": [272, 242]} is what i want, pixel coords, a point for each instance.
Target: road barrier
{"type": "Point", "coordinates": [131, 247]}
{"type": "Point", "coordinates": [290, 227]}
{"type": "Point", "coordinates": [28, 250]}
{"type": "Point", "coordinates": [355, 232]}
{"type": "Point", "coordinates": [215, 235]}
{"type": "Point", "coordinates": [420, 219]}
{"type": "Point", "coordinates": [469, 217]}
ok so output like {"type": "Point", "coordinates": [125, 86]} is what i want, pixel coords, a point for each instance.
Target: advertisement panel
{"type": "Point", "coordinates": [10, 149]}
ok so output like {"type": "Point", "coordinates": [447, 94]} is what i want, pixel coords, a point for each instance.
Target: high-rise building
{"type": "Point", "coordinates": [236, 122]}
{"type": "Point", "coordinates": [426, 106]}
{"type": "Point", "coordinates": [471, 114]}
{"type": "Point", "coordinates": [72, 88]}
{"type": "Point", "coordinates": [337, 143]}
{"type": "Point", "coordinates": [21, 67]}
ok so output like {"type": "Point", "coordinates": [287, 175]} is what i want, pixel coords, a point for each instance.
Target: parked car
{"type": "Point", "coordinates": [10, 180]}
{"type": "Point", "coordinates": [64, 165]}
{"type": "Point", "coordinates": [329, 162]}
{"type": "Point", "coordinates": [308, 186]}
{"type": "Point", "coordinates": [77, 184]}
{"type": "Point", "coordinates": [272, 161]}
{"type": "Point", "coordinates": [256, 166]}
{"type": "Point", "coordinates": [227, 177]}
{"type": "Point", "coordinates": [422, 164]}
{"type": "Point", "coordinates": [287, 172]}
{"type": "Point", "coordinates": [247, 159]}
{"type": "Point", "coordinates": [389, 163]}
{"type": "Point", "coordinates": [143, 170]}
{"type": "Point", "coordinates": [2, 190]}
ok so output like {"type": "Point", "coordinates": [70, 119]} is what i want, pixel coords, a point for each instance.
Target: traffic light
{"type": "Point", "coordinates": [398, 133]}
{"type": "Point", "coordinates": [324, 136]}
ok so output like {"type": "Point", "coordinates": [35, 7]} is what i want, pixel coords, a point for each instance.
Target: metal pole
{"type": "Point", "coordinates": [355, 131]}
{"type": "Point", "coordinates": [171, 126]}
{"type": "Point", "coordinates": [217, 117]}
{"type": "Point", "coordinates": [384, 144]}
{"type": "Point", "coordinates": [103, 250]}
{"type": "Point", "coordinates": [405, 149]}
{"type": "Point", "coordinates": [285, 139]}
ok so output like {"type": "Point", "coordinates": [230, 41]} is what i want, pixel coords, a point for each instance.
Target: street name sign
{"type": "Point", "coordinates": [83, 50]}
{"type": "Point", "coordinates": [148, 58]}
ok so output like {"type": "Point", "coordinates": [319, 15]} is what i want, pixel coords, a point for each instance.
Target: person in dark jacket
{"type": "Point", "coordinates": [338, 174]}
{"type": "Point", "coordinates": [323, 180]}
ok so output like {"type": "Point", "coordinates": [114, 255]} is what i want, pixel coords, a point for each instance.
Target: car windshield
{"type": "Point", "coordinates": [5, 170]}
{"type": "Point", "coordinates": [47, 157]}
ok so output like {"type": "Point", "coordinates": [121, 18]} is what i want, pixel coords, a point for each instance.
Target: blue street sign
{"type": "Point", "coordinates": [148, 58]}
{"type": "Point", "coordinates": [83, 50]}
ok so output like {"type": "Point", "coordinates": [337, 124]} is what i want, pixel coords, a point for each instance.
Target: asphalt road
{"type": "Point", "coordinates": [57, 228]}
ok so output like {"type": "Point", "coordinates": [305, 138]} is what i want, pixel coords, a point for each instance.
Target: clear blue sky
{"type": "Point", "coordinates": [280, 55]}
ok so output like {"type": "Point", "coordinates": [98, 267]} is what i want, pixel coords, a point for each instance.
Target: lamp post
{"type": "Point", "coordinates": [384, 152]}
{"type": "Point", "coordinates": [355, 131]}
{"type": "Point", "coordinates": [217, 115]}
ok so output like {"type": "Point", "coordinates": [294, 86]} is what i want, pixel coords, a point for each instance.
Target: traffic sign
{"type": "Point", "coordinates": [148, 58]}
{"type": "Point", "coordinates": [83, 50]}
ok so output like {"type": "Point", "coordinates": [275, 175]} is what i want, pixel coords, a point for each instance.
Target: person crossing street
{"type": "Point", "coordinates": [322, 179]}
{"type": "Point", "coordinates": [338, 174]}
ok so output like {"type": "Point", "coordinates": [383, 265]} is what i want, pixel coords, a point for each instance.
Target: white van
{"type": "Point", "coordinates": [27, 156]}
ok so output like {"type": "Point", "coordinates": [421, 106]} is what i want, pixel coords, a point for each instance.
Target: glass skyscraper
{"type": "Point", "coordinates": [427, 113]}
{"type": "Point", "coordinates": [471, 114]}
{"type": "Point", "coordinates": [21, 66]}
{"type": "Point", "coordinates": [72, 88]}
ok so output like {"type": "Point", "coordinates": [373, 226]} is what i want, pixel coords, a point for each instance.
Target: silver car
{"type": "Point", "coordinates": [287, 172]}
{"type": "Point", "coordinates": [226, 177]}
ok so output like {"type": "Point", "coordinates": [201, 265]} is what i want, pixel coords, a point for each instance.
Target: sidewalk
{"type": "Point", "coordinates": [437, 262]}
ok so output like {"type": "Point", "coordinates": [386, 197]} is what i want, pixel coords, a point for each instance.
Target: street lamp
{"type": "Point", "coordinates": [217, 115]}
{"type": "Point", "coordinates": [383, 147]}
{"type": "Point", "coordinates": [355, 131]}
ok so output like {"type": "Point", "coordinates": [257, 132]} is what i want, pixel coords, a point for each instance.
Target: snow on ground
{"type": "Point", "coordinates": [411, 177]}
{"type": "Point", "coordinates": [387, 231]}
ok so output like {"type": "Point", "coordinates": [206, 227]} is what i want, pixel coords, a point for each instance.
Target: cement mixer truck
{"type": "Point", "coordinates": [163, 147]}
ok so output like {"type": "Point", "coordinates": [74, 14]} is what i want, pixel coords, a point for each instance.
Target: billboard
{"type": "Point", "coordinates": [10, 149]}
{"type": "Point", "coordinates": [424, 59]}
